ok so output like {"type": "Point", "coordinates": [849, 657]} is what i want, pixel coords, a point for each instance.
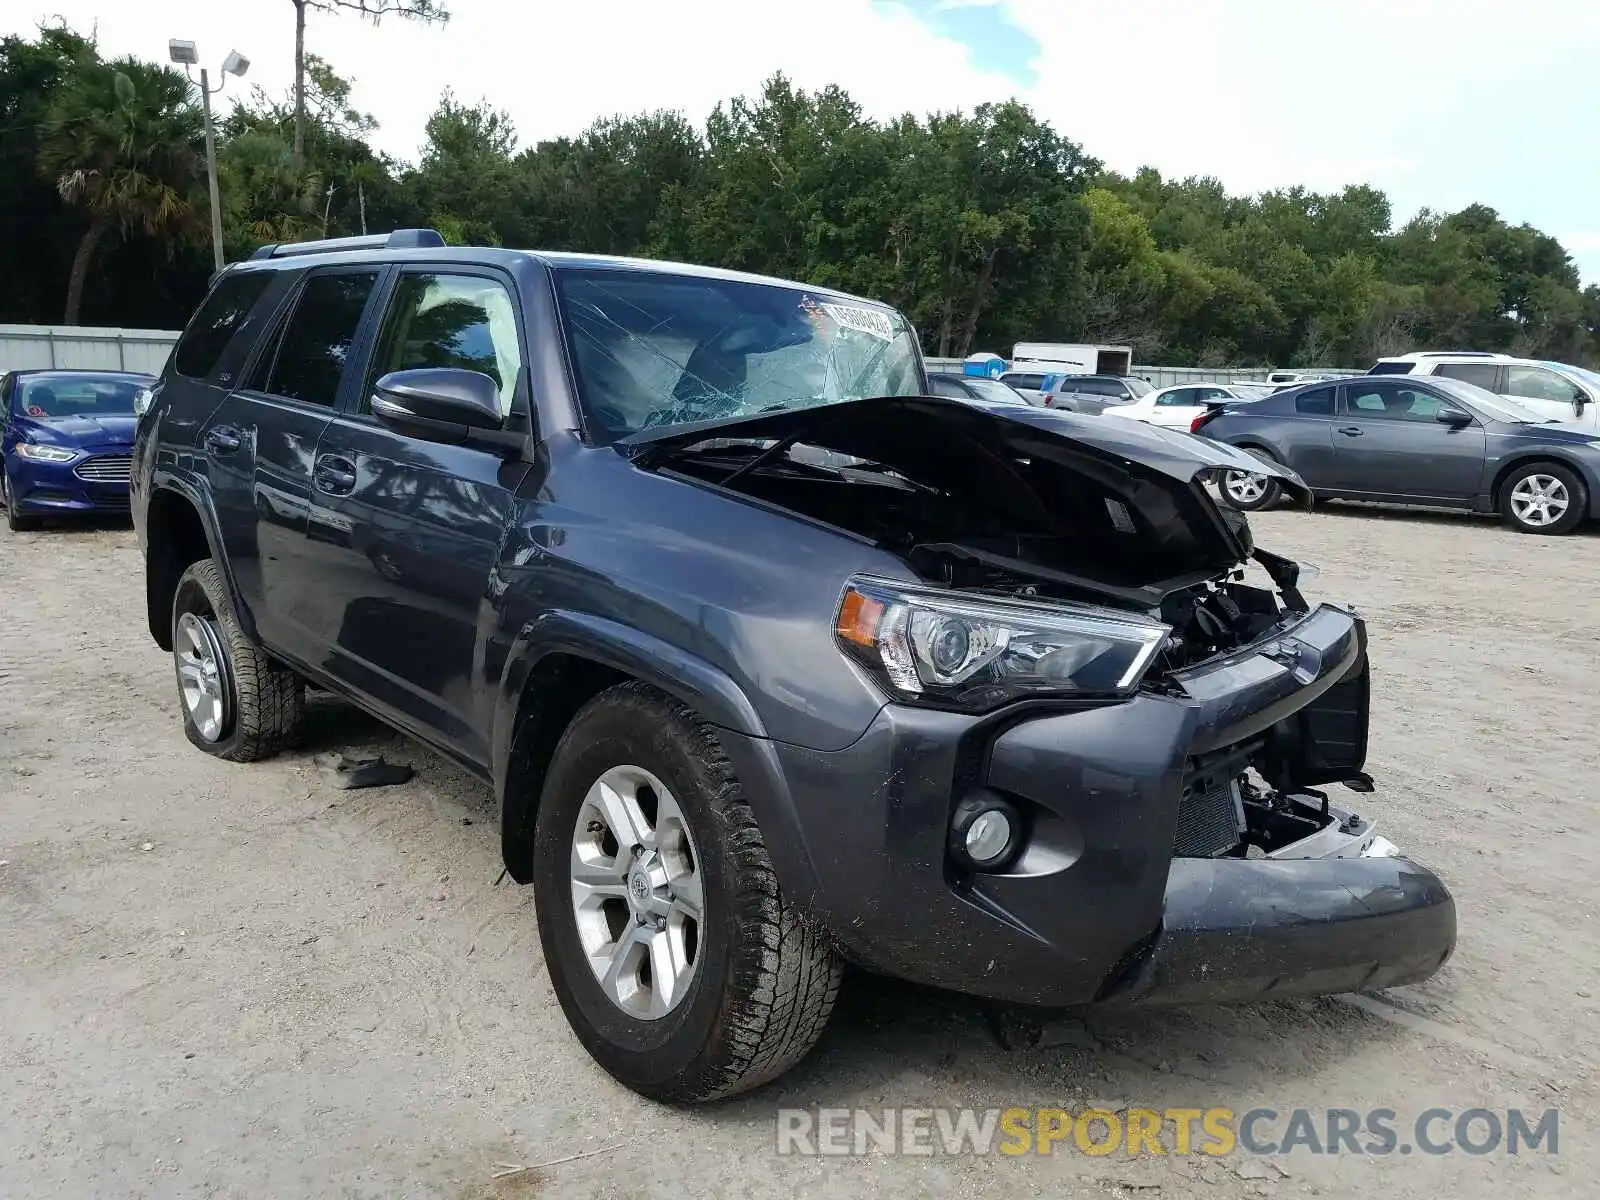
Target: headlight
{"type": "Point", "coordinates": [951, 649]}
{"type": "Point", "coordinates": [142, 399]}
{"type": "Point", "coordinates": [53, 454]}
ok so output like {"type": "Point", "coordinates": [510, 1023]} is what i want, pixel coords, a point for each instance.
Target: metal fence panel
{"type": "Point", "coordinates": [1169, 376]}
{"type": "Point", "coordinates": [80, 347]}
{"type": "Point", "coordinates": [74, 346]}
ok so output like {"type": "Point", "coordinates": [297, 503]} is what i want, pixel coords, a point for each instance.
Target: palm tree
{"type": "Point", "coordinates": [122, 142]}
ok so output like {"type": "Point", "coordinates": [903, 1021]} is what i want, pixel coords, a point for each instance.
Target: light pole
{"type": "Point", "coordinates": [188, 56]}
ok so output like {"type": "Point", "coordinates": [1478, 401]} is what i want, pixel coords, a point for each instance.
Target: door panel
{"type": "Point", "coordinates": [1386, 442]}
{"type": "Point", "coordinates": [261, 443]}
{"type": "Point", "coordinates": [406, 533]}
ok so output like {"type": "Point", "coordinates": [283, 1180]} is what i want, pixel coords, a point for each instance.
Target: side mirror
{"type": "Point", "coordinates": [1579, 399]}
{"type": "Point", "coordinates": [442, 404]}
{"type": "Point", "coordinates": [1453, 417]}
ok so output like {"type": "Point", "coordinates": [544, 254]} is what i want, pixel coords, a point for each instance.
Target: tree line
{"type": "Point", "coordinates": [986, 228]}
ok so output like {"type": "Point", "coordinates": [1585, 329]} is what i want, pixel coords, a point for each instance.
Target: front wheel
{"type": "Point", "coordinates": [1249, 492]}
{"type": "Point", "coordinates": [238, 704]}
{"type": "Point", "coordinates": [680, 964]}
{"type": "Point", "coordinates": [1543, 498]}
{"type": "Point", "coordinates": [15, 521]}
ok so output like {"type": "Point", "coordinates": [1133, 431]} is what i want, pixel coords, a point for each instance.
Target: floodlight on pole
{"type": "Point", "coordinates": [187, 54]}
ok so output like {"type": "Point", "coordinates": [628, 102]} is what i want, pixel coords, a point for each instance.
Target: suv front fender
{"type": "Point", "coordinates": [710, 692]}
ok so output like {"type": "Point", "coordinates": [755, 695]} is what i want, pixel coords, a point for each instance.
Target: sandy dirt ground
{"type": "Point", "coordinates": [221, 980]}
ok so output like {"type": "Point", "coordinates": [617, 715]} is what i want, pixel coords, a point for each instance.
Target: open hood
{"type": "Point", "coordinates": [887, 429]}
{"type": "Point", "coordinates": [986, 495]}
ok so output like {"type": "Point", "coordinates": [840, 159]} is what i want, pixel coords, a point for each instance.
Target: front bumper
{"type": "Point", "coordinates": [42, 488]}
{"type": "Point", "coordinates": [1097, 908]}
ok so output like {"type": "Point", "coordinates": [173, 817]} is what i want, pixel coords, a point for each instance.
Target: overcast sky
{"type": "Point", "coordinates": [1438, 102]}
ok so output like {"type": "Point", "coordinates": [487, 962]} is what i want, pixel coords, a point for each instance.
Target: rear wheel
{"type": "Point", "coordinates": [238, 704]}
{"type": "Point", "coordinates": [1543, 498]}
{"type": "Point", "coordinates": [678, 961]}
{"type": "Point", "coordinates": [1249, 492]}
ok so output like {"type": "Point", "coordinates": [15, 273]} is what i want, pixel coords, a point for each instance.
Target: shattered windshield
{"type": "Point", "coordinates": [653, 348]}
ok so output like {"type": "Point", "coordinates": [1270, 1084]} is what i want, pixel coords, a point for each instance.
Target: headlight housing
{"type": "Point", "coordinates": [142, 399]}
{"type": "Point", "coordinates": [956, 650]}
{"type": "Point", "coordinates": [49, 454]}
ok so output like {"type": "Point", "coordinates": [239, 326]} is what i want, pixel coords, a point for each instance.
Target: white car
{"type": "Point", "coordinates": [1180, 406]}
{"type": "Point", "coordinates": [1556, 391]}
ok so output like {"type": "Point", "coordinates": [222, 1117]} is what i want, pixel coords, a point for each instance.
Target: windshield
{"type": "Point", "coordinates": [1140, 387]}
{"type": "Point", "coordinates": [651, 348]}
{"type": "Point", "coordinates": [1251, 391]}
{"type": "Point", "coordinates": [76, 396]}
{"type": "Point", "coordinates": [1498, 408]}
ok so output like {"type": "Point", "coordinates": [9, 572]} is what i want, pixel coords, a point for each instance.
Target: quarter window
{"type": "Point", "coordinates": [218, 319]}
{"type": "Point", "coordinates": [437, 320]}
{"type": "Point", "coordinates": [316, 342]}
{"type": "Point", "coordinates": [1318, 402]}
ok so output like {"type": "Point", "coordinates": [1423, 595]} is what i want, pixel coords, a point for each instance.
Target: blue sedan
{"type": "Point", "coordinates": [66, 440]}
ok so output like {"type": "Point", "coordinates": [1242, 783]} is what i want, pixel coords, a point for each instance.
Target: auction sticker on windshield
{"type": "Point", "coordinates": [869, 321]}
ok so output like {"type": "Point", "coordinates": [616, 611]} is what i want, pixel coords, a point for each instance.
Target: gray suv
{"type": "Point", "coordinates": [1093, 394]}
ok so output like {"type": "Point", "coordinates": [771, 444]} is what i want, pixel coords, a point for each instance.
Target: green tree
{"type": "Point", "coordinates": [121, 143]}
{"type": "Point", "coordinates": [34, 248]}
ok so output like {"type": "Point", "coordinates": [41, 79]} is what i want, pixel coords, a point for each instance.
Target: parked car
{"type": "Point", "coordinates": [1094, 394]}
{"type": "Point", "coordinates": [1030, 385]}
{"type": "Point", "coordinates": [973, 387]}
{"type": "Point", "coordinates": [1558, 391]}
{"type": "Point", "coordinates": [1418, 440]}
{"type": "Point", "coordinates": [65, 442]}
{"type": "Point", "coordinates": [773, 660]}
{"type": "Point", "coordinates": [1179, 407]}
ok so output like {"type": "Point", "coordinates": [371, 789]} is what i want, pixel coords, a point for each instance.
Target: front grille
{"type": "Point", "coordinates": [1210, 816]}
{"type": "Point", "coordinates": [105, 468]}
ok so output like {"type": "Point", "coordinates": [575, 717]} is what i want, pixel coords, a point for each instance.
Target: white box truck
{"type": "Point", "coordinates": [1060, 358]}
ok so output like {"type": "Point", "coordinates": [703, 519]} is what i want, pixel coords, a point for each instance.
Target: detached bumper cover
{"type": "Point", "coordinates": [1238, 930]}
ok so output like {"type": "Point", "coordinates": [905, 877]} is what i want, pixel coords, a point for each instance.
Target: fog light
{"type": "Point", "coordinates": [986, 832]}
{"type": "Point", "coordinates": [988, 836]}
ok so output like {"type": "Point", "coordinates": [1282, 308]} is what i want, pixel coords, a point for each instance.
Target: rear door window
{"type": "Point", "coordinates": [218, 319]}
{"type": "Point", "coordinates": [1482, 374]}
{"type": "Point", "coordinates": [310, 358]}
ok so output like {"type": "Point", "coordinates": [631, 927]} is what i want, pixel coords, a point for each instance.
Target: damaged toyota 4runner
{"type": "Point", "coordinates": [774, 661]}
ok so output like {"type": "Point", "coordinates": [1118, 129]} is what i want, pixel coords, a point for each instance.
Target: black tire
{"type": "Point", "coordinates": [264, 700]}
{"type": "Point", "coordinates": [1268, 495]}
{"type": "Point", "coordinates": [765, 979]}
{"type": "Point", "coordinates": [15, 521]}
{"type": "Point", "coordinates": [1576, 496]}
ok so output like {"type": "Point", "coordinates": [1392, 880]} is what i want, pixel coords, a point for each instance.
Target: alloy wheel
{"type": "Point", "coordinates": [637, 893]}
{"type": "Point", "coordinates": [202, 675]}
{"type": "Point", "coordinates": [1243, 487]}
{"type": "Point", "coordinates": [1540, 500]}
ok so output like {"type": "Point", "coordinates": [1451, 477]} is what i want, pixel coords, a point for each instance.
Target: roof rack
{"type": "Point", "coordinates": [400, 239]}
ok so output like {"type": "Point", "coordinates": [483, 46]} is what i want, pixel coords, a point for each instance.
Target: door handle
{"type": "Point", "coordinates": [223, 439]}
{"type": "Point", "coordinates": [1351, 431]}
{"type": "Point", "coordinates": [335, 475]}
